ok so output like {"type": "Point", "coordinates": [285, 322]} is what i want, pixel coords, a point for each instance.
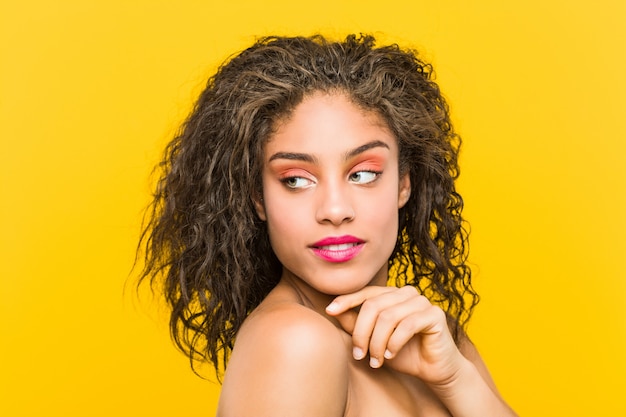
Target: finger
{"type": "Point", "coordinates": [386, 323]}
{"type": "Point", "coordinates": [368, 316]}
{"type": "Point", "coordinates": [347, 320]}
{"type": "Point", "coordinates": [428, 322]}
{"type": "Point", "coordinates": [348, 301]}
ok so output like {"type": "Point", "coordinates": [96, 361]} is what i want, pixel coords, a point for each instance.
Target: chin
{"type": "Point", "coordinates": [335, 290]}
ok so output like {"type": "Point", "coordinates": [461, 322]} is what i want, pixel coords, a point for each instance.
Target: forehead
{"type": "Point", "coordinates": [329, 120]}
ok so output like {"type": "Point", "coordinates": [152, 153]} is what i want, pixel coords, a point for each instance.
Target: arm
{"type": "Point", "coordinates": [470, 352]}
{"type": "Point", "coordinates": [287, 361]}
{"type": "Point", "coordinates": [473, 391]}
{"type": "Point", "coordinates": [400, 328]}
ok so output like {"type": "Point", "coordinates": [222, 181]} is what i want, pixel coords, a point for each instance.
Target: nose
{"type": "Point", "coordinates": [334, 204]}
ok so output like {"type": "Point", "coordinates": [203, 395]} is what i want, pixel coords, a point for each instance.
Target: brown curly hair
{"type": "Point", "coordinates": [202, 238]}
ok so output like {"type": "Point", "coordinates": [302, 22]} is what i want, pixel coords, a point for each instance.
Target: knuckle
{"type": "Point", "coordinates": [423, 300]}
{"type": "Point", "coordinates": [406, 326]}
{"type": "Point", "coordinates": [370, 305]}
{"type": "Point", "coordinates": [386, 317]}
{"type": "Point", "coordinates": [360, 336]}
{"type": "Point", "coordinates": [409, 289]}
{"type": "Point", "coordinates": [438, 312]}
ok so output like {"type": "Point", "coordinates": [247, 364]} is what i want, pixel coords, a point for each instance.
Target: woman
{"type": "Point", "coordinates": [308, 174]}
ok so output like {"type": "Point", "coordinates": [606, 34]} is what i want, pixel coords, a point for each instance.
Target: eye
{"type": "Point", "coordinates": [364, 177]}
{"type": "Point", "coordinates": [296, 182]}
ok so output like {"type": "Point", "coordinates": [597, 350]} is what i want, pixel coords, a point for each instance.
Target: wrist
{"type": "Point", "coordinates": [466, 394]}
{"type": "Point", "coordinates": [457, 382]}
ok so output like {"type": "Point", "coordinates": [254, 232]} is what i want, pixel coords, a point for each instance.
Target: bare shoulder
{"type": "Point", "coordinates": [290, 325]}
{"type": "Point", "coordinates": [288, 360]}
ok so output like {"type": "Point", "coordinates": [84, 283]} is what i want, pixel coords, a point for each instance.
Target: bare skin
{"type": "Point", "coordinates": [331, 170]}
{"type": "Point", "coordinates": [288, 344]}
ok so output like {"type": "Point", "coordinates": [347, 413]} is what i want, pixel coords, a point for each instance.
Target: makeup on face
{"type": "Point", "coordinates": [363, 165]}
{"type": "Point", "coordinates": [331, 195]}
{"type": "Point", "coordinates": [338, 248]}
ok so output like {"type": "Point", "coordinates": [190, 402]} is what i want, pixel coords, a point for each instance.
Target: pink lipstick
{"type": "Point", "coordinates": [338, 249]}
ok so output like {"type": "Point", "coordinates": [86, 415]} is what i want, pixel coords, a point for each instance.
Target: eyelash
{"type": "Point", "coordinates": [366, 171]}
{"type": "Point", "coordinates": [285, 181]}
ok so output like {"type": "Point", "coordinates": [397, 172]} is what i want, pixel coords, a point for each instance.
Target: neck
{"type": "Point", "coordinates": [312, 298]}
{"type": "Point", "coordinates": [306, 295]}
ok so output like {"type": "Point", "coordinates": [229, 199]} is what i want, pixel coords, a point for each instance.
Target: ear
{"type": "Point", "coordinates": [404, 190]}
{"type": "Point", "coordinates": [259, 206]}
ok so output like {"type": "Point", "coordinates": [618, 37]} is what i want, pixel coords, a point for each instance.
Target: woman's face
{"type": "Point", "coordinates": [331, 194]}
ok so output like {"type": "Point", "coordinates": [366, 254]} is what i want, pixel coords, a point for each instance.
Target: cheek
{"type": "Point", "coordinates": [277, 204]}
{"type": "Point", "coordinates": [382, 213]}
{"type": "Point", "coordinates": [286, 228]}
{"type": "Point", "coordinates": [285, 218]}
{"type": "Point", "coordinates": [280, 222]}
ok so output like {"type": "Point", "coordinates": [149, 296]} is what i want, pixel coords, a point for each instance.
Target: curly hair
{"type": "Point", "coordinates": [203, 241]}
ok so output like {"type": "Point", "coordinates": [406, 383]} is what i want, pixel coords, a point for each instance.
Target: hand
{"type": "Point", "coordinates": [400, 328]}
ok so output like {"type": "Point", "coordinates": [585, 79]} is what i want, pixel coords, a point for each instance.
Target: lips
{"type": "Point", "coordinates": [338, 249]}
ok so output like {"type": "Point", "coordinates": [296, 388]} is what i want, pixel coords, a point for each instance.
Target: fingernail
{"type": "Point", "coordinates": [374, 362]}
{"type": "Point", "coordinates": [388, 354]}
{"type": "Point", "coordinates": [358, 353]}
{"type": "Point", "coordinates": [332, 307]}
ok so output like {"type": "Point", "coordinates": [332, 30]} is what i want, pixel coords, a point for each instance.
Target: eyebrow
{"type": "Point", "coordinates": [293, 156]}
{"type": "Point", "coordinates": [366, 147]}
{"type": "Point", "coordinates": [304, 157]}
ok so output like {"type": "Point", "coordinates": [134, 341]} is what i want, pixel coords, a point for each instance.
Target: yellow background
{"type": "Point", "coordinates": [91, 90]}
